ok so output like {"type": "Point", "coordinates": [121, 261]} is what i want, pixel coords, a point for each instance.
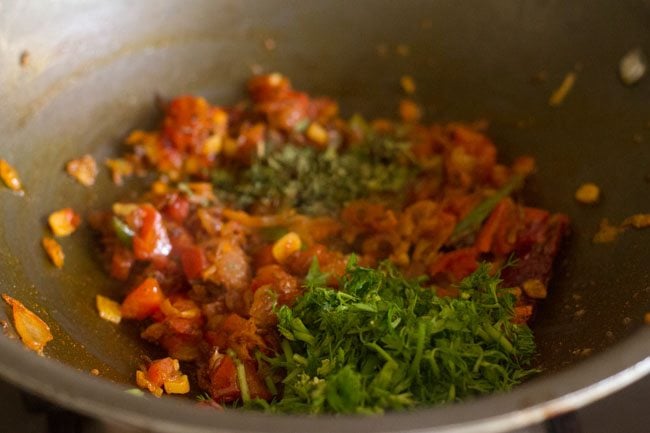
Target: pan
{"type": "Point", "coordinates": [76, 77]}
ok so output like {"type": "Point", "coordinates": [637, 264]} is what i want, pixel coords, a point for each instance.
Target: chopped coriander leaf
{"type": "Point", "coordinates": [383, 342]}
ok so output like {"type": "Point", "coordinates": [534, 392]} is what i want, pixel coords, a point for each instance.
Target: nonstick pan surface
{"type": "Point", "coordinates": [94, 72]}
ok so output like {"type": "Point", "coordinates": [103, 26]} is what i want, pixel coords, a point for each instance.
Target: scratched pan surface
{"type": "Point", "coordinates": [95, 69]}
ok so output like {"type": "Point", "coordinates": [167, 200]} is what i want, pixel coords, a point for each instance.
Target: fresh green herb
{"type": "Point", "coordinates": [383, 342]}
{"type": "Point", "coordinates": [223, 179]}
{"type": "Point", "coordinates": [315, 278]}
{"type": "Point", "coordinates": [472, 222]}
{"type": "Point", "coordinates": [241, 376]}
{"type": "Point", "coordinates": [123, 232]}
{"type": "Point", "coordinates": [203, 397]}
{"type": "Point", "coordinates": [135, 391]}
{"type": "Point", "coordinates": [320, 182]}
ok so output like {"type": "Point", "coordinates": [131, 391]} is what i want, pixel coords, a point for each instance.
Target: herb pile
{"type": "Point", "coordinates": [319, 182]}
{"type": "Point", "coordinates": [384, 342]}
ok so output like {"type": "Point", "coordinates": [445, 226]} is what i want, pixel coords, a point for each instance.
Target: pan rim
{"type": "Point", "coordinates": [531, 403]}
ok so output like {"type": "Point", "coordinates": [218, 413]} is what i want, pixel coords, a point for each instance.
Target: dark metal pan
{"type": "Point", "coordinates": [94, 70]}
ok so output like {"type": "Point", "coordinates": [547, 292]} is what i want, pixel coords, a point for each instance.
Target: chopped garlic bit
{"type": "Point", "coordinates": [64, 222]}
{"type": "Point", "coordinates": [108, 309]}
{"type": "Point", "coordinates": [83, 169]}
{"type": "Point", "coordinates": [10, 177]}
{"type": "Point", "coordinates": [557, 98]}
{"type": "Point", "coordinates": [54, 251]}
{"type": "Point", "coordinates": [588, 193]}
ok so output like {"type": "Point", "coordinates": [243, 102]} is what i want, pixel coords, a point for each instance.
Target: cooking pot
{"type": "Point", "coordinates": [77, 76]}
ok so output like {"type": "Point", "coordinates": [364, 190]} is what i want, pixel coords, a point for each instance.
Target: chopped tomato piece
{"type": "Point", "coordinates": [181, 346]}
{"type": "Point", "coordinates": [151, 238]}
{"type": "Point", "coordinates": [161, 370]}
{"type": "Point", "coordinates": [163, 373]}
{"type": "Point", "coordinates": [143, 301]}
{"type": "Point", "coordinates": [178, 208]}
{"type": "Point", "coordinates": [121, 263]}
{"type": "Point", "coordinates": [238, 334]}
{"type": "Point", "coordinates": [522, 313]}
{"type": "Point", "coordinates": [194, 262]}
{"type": "Point", "coordinates": [263, 256]}
{"type": "Point", "coordinates": [278, 280]}
{"type": "Point", "coordinates": [499, 233]}
{"type": "Point", "coordinates": [456, 264]}
{"type": "Point", "coordinates": [223, 381]}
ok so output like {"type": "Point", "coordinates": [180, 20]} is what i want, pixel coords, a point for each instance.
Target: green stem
{"type": "Point", "coordinates": [241, 377]}
{"type": "Point", "coordinates": [499, 338]}
{"type": "Point", "coordinates": [475, 218]}
{"type": "Point", "coordinates": [381, 352]}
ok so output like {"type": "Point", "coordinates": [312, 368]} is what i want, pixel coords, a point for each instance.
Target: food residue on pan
{"type": "Point", "coordinates": [638, 221]}
{"type": "Point", "coordinates": [120, 168]}
{"type": "Point", "coordinates": [33, 331]}
{"type": "Point", "coordinates": [10, 177]}
{"type": "Point", "coordinates": [94, 372]}
{"type": "Point", "coordinates": [558, 96]}
{"type": "Point", "coordinates": [609, 233]}
{"type": "Point", "coordinates": [588, 193]}
{"type": "Point", "coordinates": [83, 169]}
{"type": "Point", "coordinates": [265, 213]}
